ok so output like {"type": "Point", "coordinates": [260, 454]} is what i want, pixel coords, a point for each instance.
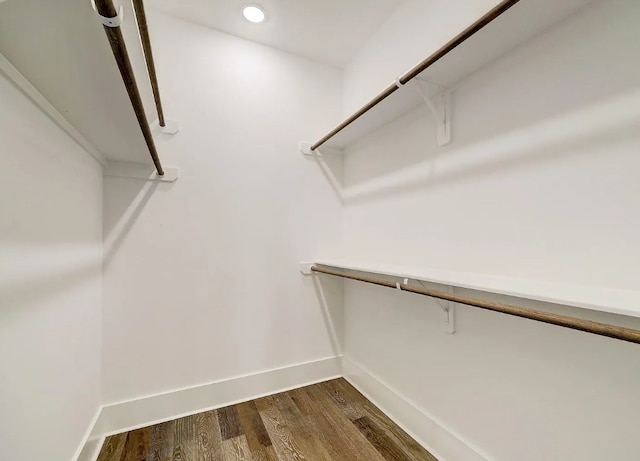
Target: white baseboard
{"type": "Point", "coordinates": [441, 441]}
{"type": "Point", "coordinates": [91, 449]}
{"type": "Point", "coordinates": [88, 448]}
{"type": "Point", "coordinates": [132, 414]}
{"type": "Point", "coordinates": [115, 418]}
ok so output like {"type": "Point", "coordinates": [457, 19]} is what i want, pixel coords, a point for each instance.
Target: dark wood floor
{"type": "Point", "coordinates": [326, 421]}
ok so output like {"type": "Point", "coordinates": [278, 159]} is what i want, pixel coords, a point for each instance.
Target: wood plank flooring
{"type": "Point", "coordinates": [330, 421]}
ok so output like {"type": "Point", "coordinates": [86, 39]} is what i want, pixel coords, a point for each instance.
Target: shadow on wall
{"type": "Point", "coordinates": [331, 165]}
{"type": "Point", "coordinates": [83, 261]}
{"type": "Point", "coordinates": [544, 99]}
{"type": "Point", "coordinates": [403, 156]}
{"type": "Point", "coordinates": [124, 209]}
{"type": "Point", "coordinates": [573, 134]}
{"type": "Point", "coordinates": [330, 293]}
{"type": "Point", "coordinates": [328, 301]}
{"type": "Point", "coordinates": [47, 283]}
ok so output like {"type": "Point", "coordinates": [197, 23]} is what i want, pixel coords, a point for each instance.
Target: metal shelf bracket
{"type": "Point", "coordinates": [448, 313]}
{"type": "Point", "coordinates": [448, 310]}
{"type": "Point", "coordinates": [439, 104]}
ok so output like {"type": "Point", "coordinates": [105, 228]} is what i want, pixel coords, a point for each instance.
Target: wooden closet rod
{"type": "Point", "coordinates": [141, 18]}
{"type": "Point", "coordinates": [106, 9]}
{"type": "Point", "coordinates": [597, 328]}
{"type": "Point", "coordinates": [415, 71]}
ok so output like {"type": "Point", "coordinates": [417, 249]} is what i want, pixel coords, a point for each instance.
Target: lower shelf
{"type": "Point", "coordinates": [586, 297]}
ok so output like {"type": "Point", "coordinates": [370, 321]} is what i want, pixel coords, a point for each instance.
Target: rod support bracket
{"type": "Point", "coordinates": [170, 127]}
{"type": "Point", "coordinates": [305, 268]}
{"type": "Point", "coordinates": [305, 149]}
{"type": "Point", "coordinates": [115, 21]}
{"type": "Point", "coordinates": [439, 105]}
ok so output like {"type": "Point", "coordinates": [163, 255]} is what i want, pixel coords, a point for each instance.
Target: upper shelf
{"type": "Point", "coordinates": [594, 298]}
{"type": "Point", "coordinates": [507, 26]}
{"type": "Point", "coordinates": [61, 49]}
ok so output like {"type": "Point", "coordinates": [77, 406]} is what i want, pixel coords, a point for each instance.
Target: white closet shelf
{"type": "Point", "coordinates": [59, 56]}
{"type": "Point", "coordinates": [491, 37]}
{"type": "Point", "coordinates": [594, 298]}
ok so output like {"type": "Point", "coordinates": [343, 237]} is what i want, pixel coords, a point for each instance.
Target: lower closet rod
{"type": "Point", "coordinates": [107, 10]}
{"type": "Point", "coordinates": [597, 328]}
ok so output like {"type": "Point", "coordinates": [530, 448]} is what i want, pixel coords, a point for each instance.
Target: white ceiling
{"type": "Point", "coordinates": [329, 31]}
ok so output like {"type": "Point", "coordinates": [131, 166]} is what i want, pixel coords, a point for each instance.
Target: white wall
{"type": "Point", "coordinates": [539, 182]}
{"type": "Point", "coordinates": [50, 284]}
{"type": "Point", "coordinates": [416, 29]}
{"type": "Point", "coordinates": [541, 168]}
{"type": "Point", "coordinates": [201, 276]}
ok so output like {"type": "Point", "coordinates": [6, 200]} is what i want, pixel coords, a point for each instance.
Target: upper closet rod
{"type": "Point", "coordinates": [141, 18]}
{"type": "Point", "coordinates": [111, 21]}
{"type": "Point", "coordinates": [597, 328]}
{"type": "Point", "coordinates": [415, 71]}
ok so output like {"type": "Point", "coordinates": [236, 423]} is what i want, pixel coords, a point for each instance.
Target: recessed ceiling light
{"type": "Point", "coordinates": [253, 13]}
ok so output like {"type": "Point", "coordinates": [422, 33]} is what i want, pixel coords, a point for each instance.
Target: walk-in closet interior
{"type": "Point", "coordinates": [350, 230]}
